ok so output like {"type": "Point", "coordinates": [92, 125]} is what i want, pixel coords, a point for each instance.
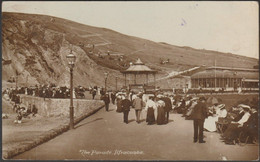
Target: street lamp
{"type": "Point", "coordinates": [116, 83]}
{"type": "Point", "coordinates": [106, 74]}
{"type": "Point", "coordinates": [71, 61]}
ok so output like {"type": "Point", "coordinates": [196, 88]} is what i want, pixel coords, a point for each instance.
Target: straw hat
{"type": "Point", "coordinates": [221, 106]}
{"type": "Point", "coordinates": [194, 99]}
{"type": "Point", "coordinates": [244, 106]}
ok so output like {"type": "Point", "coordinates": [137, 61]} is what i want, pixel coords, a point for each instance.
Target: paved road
{"type": "Point", "coordinates": [103, 136]}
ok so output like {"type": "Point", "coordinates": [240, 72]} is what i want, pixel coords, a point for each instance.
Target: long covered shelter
{"type": "Point", "coordinates": [227, 78]}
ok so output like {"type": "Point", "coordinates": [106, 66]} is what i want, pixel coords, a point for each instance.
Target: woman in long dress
{"type": "Point", "coordinates": [160, 111]}
{"type": "Point", "coordinates": [118, 104]}
{"type": "Point", "coordinates": [150, 107]}
{"type": "Point", "coordinates": [210, 122]}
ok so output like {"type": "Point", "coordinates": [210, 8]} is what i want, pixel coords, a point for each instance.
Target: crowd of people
{"type": "Point", "coordinates": [24, 112]}
{"type": "Point", "coordinates": [240, 118]}
{"type": "Point", "coordinates": [21, 110]}
{"type": "Point", "coordinates": [157, 107]}
{"type": "Point", "coordinates": [45, 91]}
{"type": "Point", "coordinates": [205, 118]}
{"type": "Point", "coordinates": [218, 118]}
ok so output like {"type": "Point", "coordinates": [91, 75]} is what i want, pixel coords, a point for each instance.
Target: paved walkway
{"type": "Point", "coordinates": [103, 136]}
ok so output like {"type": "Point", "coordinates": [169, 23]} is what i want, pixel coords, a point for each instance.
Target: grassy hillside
{"type": "Point", "coordinates": [38, 45]}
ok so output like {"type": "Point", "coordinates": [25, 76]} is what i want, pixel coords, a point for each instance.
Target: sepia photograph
{"type": "Point", "coordinates": [130, 80]}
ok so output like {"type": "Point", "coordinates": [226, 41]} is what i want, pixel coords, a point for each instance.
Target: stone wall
{"type": "Point", "coordinates": [60, 107]}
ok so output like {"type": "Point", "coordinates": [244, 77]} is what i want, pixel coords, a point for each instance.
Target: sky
{"type": "Point", "coordinates": [220, 26]}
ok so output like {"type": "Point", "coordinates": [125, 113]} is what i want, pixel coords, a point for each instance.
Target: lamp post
{"type": "Point", "coordinates": [116, 83]}
{"type": "Point", "coordinates": [16, 80]}
{"type": "Point", "coordinates": [71, 61]}
{"type": "Point", "coordinates": [106, 74]}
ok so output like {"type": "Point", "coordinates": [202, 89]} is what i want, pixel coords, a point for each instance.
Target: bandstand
{"type": "Point", "coordinates": [138, 76]}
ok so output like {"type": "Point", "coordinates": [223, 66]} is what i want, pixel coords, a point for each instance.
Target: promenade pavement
{"type": "Point", "coordinates": [104, 136]}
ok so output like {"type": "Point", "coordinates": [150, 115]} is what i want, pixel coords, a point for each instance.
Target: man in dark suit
{"type": "Point", "coordinates": [126, 103]}
{"type": "Point", "coordinates": [198, 115]}
{"type": "Point", "coordinates": [113, 97]}
{"type": "Point", "coordinates": [167, 107]}
{"type": "Point", "coordinates": [106, 100]}
{"type": "Point", "coordinates": [239, 115]}
{"type": "Point", "coordinates": [252, 123]}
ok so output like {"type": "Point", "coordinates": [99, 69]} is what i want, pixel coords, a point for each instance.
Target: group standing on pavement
{"type": "Point", "coordinates": [157, 107]}
{"type": "Point", "coordinates": [152, 104]}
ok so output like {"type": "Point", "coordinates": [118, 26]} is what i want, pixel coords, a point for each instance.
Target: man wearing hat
{"type": "Point", "coordinates": [198, 115]}
{"type": "Point", "coordinates": [126, 103]}
{"type": "Point", "coordinates": [106, 100]}
{"type": "Point", "coordinates": [167, 107]}
{"type": "Point", "coordinates": [138, 105]}
{"type": "Point", "coordinates": [232, 131]}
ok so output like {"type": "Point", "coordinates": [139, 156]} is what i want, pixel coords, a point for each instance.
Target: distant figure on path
{"type": "Point", "coordinates": [126, 103]}
{"type": "Point", "coordinates": [119, 104]}
{"type": "Point", "coordinates": [198, 115]}
{"type": "Point", "coordinates": [113, 97]}
{"type": "Point", "coordinates": [94, 92]}
{"type": "Point", "coordinates": [106, 100]}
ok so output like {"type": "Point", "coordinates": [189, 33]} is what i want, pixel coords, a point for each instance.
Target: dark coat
{"type": "Point", "coordinates": [126, 105]}
{"type": "Point", "coordinates": [168, 104]}
{"type": "Point", "coordinates": [239, 116]}
{"type": "Point", "coordinates": [252, 122]}
{"type": "Point", "coordinates": [113, 96]}
{"type": "Point", "coordinates": [200, 111]}
{"type": "Point", "coordinates": [106, 99]}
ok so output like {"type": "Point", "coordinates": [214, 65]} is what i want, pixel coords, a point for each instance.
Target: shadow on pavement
{"type": "Point", "coordinates": [142, 120]}
{"type": "Point", "coordinates": [88, 122]}
{"type": "Point", "coordinates": [170, 121]}
{"type": "Point", "coordinates": [129, 121]}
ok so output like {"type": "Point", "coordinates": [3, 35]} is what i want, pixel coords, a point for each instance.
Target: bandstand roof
{"type": "Point", "coordinates": [139, 68]}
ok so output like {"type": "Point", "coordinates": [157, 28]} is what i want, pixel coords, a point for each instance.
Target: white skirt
{"type": "Point", "coordinates": [210, 123]}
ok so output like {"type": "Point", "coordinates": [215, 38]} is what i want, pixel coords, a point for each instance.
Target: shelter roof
{"type": "Point", "coordinates": [211, 73]}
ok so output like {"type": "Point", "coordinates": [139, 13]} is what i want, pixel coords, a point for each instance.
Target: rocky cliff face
{"type": "Point", "coordinates": [36, 47]}
{"type": "Point", "coordinates": [38, 54]}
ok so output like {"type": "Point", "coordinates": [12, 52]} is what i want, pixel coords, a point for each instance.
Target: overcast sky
{"type": "Point", "coordinates": [220, 26]}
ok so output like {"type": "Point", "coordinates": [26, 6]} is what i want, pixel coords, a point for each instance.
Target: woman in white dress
{"type": "Point", "coordinates": [210, 122]}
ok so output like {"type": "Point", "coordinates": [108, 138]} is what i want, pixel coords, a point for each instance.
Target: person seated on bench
{"type": "Point", "coordinates": [251, 125]}
{"type": "Point", "coordinates": [210, 122]}
{"type": "Point", "coordinates": [231, 132]}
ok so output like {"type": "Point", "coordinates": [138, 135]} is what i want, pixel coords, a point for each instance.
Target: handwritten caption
{"type": "Point", "coordinates": [109, 152]}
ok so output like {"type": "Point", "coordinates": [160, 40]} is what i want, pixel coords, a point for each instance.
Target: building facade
{"type": "Point", "coordinates": [226, 78]}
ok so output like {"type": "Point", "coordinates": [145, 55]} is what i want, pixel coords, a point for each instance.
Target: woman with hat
{"type": "Point", "coordinates": [210, 122]}
{"type": "Point", "coordinates": [119, 103]}
{"type": "Point", "coordinates": [160, 104]}
{"type": "Point", "coordinates": [231, 132]}
{"type": "Point", "coordinates": [221, 111]}
{"type": "Point", "coordinates": [150, 107]}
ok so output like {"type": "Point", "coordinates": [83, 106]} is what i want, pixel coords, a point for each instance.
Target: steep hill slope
{"type": "Point", "coordinates": [38, 45]}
